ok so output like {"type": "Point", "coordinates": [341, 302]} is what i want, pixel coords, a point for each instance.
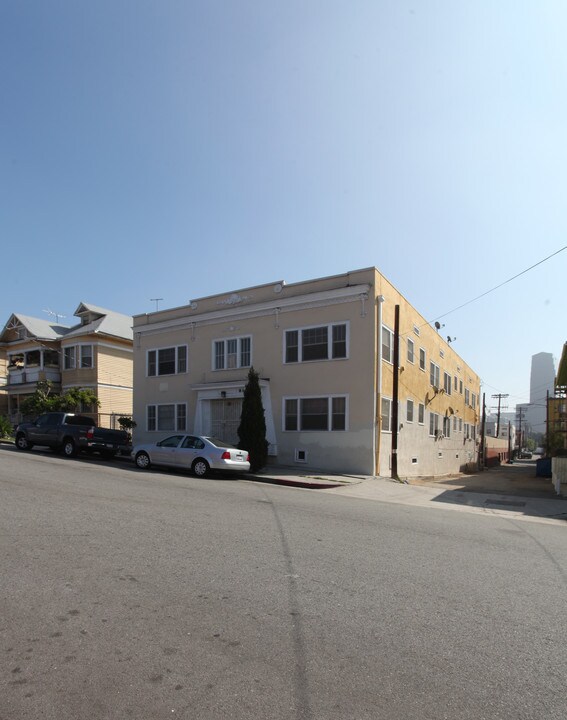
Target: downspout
{"type": "Point", "coordinates": [378, 390]}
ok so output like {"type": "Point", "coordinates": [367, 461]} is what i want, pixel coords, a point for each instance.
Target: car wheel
{"type": "Point", "coordinates": [200, 467]}
{"type": "Point", "coordinates": [142, 460]}
{"type": "Point", "coordinates": [69, 449]}
{"type": "Point", "coordinates": [22, 442]}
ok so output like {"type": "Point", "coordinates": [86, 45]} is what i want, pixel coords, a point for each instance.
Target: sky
{"type": "Point", "coordinates": [176, 149]}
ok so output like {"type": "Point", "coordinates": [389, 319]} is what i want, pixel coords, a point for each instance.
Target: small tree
{"type": "Point", "coordinates": [127, 424]}
{"type": "Point", "coordinates": [252, 428]}
{"type": "Point", "coordinates": [45, 400]}
{"type": "Point", "coordinates": [42, 400]}
{"type": "Point", "coordinates": [76, 398]}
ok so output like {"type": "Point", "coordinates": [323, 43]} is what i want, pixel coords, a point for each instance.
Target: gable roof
{"type": "Point", "coordinates": [36, 327]}
{"type": "Point", "coordinates": [104, 322]}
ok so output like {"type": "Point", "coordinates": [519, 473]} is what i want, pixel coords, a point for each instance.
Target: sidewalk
{"type": "Point", "coordinates": [509, 491]}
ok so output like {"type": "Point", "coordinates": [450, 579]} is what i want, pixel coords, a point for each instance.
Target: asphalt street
{"type": "Point", "coordinates": [153, 594]}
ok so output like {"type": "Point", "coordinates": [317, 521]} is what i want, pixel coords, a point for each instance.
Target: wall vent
{"type": "Point", "coordinates": [300, 455]}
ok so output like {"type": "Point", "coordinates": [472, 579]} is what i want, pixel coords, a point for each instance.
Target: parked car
{"type": "Point", "coordinates": [525, 455]}
{"type": "Point", "coordinates": [69, 433]}
{"type": "Point", "coordinates": [192, 452]}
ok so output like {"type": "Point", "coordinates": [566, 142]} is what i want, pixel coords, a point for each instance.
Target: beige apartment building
{"type": "Point", "coordinates": [324, 350]}
{"type": "Point", "coordinates": [96, 354]}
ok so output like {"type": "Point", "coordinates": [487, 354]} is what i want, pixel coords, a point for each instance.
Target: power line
{"type": "Point", "coordinates": [502, 283]}
{"type": "Point", "coordinates": [487, 292]}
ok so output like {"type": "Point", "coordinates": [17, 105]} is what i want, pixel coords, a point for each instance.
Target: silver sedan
{"type": "Point", "coordinates": [192, 452]}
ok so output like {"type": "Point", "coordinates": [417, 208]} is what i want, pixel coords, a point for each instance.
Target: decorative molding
{"type": "Point", "coordinates": [234, 299]}
{"type": "Point", "coordinates": [305, 301]}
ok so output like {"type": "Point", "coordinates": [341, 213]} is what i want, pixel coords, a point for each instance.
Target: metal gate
{"type": "Point", "coordinates": [225, 419]}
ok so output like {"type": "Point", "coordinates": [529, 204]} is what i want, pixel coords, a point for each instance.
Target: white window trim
{"type": "Point", "coordinates": [409, 340]}
{"type": "Point", "coordinates": [421, 422]}
{"type": "Point", "coordinates": [238, 339]}
{"type": "Point", "coordinates": [167, 347]}
{"type": "Point", "coordinates": [423, 369]}
{"type": "Point", "coordinates": [409, 400]}
{"type": "Point", "coordinates": [330, 357]}
{"type": "Point", "coordinates": [329, 398]}
{"type": "Point", "coordinates": [385, 328]}
{"type": "Point", "coordinates": [175, 416]}
{"type": "Point", "coordinates": [438, 374]}
{"type": "Point", "coordinates": [389, 431]}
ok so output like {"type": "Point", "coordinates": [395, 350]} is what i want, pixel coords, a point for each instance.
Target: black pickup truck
{"type": "Point", "coordinates": [69, 433]}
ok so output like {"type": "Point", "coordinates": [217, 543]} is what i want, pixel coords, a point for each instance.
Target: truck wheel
{"type": "Point", "coordinates": [69, 449]}
{"type": "Point", "coordinates": [22, 442]}
{"type": "Point", "coordinates": [200, 467]}
{"type": "Point", "coordinates": [142, 460]}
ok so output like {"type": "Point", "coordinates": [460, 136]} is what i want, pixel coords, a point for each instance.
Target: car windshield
{"type": "Point", "coordinates": [220, 443]}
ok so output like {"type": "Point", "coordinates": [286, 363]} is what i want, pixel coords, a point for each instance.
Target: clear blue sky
{"type": "Point", "coordinates": [177, 149]}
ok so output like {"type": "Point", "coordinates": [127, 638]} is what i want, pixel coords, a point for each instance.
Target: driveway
{"type": "Point", "coordinates": [518, 479]}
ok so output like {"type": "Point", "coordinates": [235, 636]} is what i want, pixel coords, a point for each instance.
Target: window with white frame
{"type": "Point", "coordinates": [232, 353]}
{"type": "Point", "coordinates": [455, 423]}
{"type": "Point", "coordinates": [467, 431]}
{"type": "Point", "coordinates": [315, 413]}
{"type": "Point", "coordinates": [86, 352]}
{"type": "Point", "coordinates": [473, 400]}
{"type": "Point", "coordinates": [387, 344]}
{"type": "Point", "coordinates": [433, 424]}
{"type": "Point", "coordinates": [166, 417]}
{"type": "Point", "coordinates": [461, 387]}
{"type": "Point", "coordinates": [421, 413]}
{"type": "Point", "coordinates": [434, 373]}
{"type": "Point", "coordinates": [411, 351]}
{"type": "Point", "coordinates": [447, 383]}
{"type": "Point", "coordinates": [467, 396]}
{"type": "Point", "coordinates": [386, 415]}
{"type": "Point", "coordinates": [460, 424]}
{"type": "Point", "coordinates": [409, 411]}
{"type": "Point", "coordinates": [325, 342]}
{"type": "Point", "coordinates": [447, 426]}
{"type": "Point", "coordinates": [167, 361]}
{"type": "Point", "coordinates": [69, 358]}
{"type": "Point", "coordinates": [416, 330]}
{"type": "Point", "coordinates": [422, 359]}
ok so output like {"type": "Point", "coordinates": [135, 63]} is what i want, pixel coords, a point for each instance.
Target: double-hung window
{"type": "Point", "coordinates": [409, 411]}
{"type": "Point", "coordinates": [411, 351]}
{"type": "Point", "coordinates": [386, 414]}
{"type": "Point", "coordinates": [166, 417]}
{"type": "Point", "coordinates": [232, 353]}
{"type": "Point", "coordinates": [387, 344]}
{"type": "Point", "coordinates": [325, 342]}
{"type": "Point", "coordinates": [434, 374]}
{"type": "Point", "coordinates": [422, 359]}
{"type": "Point", "coordinates": [167, 361]}
{"type": "Point", "coordinates": [69, 358]}
{"type": "Point", "coordinates": [433, 424]}
{"type": "Point", "coordinates": [447, 383]}
{"type": "Point", "coordinates": [86, 356]}
{"type": "Point", "coordinates": [315, 413]}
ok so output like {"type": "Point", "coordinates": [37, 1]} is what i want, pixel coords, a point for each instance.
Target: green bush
{"type": "Point", "coordinates": [6, 429]}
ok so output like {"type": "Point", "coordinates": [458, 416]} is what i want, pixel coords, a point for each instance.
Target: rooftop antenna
{"type": "Point", "coordinates": [157, 301]}
{"type": "Point", "coordinates": [56, 315]}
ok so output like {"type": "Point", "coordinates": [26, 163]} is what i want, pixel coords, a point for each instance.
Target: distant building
{"type": "Point", "coordinates": [94, 354]}
{"type": "Point", "coordinates": [324, 349]}
{"type": "Point", "coordinates": [542, 380]}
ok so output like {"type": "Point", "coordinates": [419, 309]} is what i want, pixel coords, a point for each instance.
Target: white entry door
{"type": "Point", "coordinates": [225, 419]}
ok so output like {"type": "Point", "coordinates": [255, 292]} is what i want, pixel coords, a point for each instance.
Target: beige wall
{"type": "Point", "coordinates": [110, 378]}
{"type": "Point", "coordinates": [265, 313]}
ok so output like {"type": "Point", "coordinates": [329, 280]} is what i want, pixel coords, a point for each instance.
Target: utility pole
{"type": "Point", "coordinates": [482, 450]}
{"type": "Point", "coordinates": [500, 397]}
{"type": "Point", "coordinates": [520, 430]}
{"type": "Point", "coordinates": [395, 420]}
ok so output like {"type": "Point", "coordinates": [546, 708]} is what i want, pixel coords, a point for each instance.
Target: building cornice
{"type": "Point", "coordinates": [278, 306]}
